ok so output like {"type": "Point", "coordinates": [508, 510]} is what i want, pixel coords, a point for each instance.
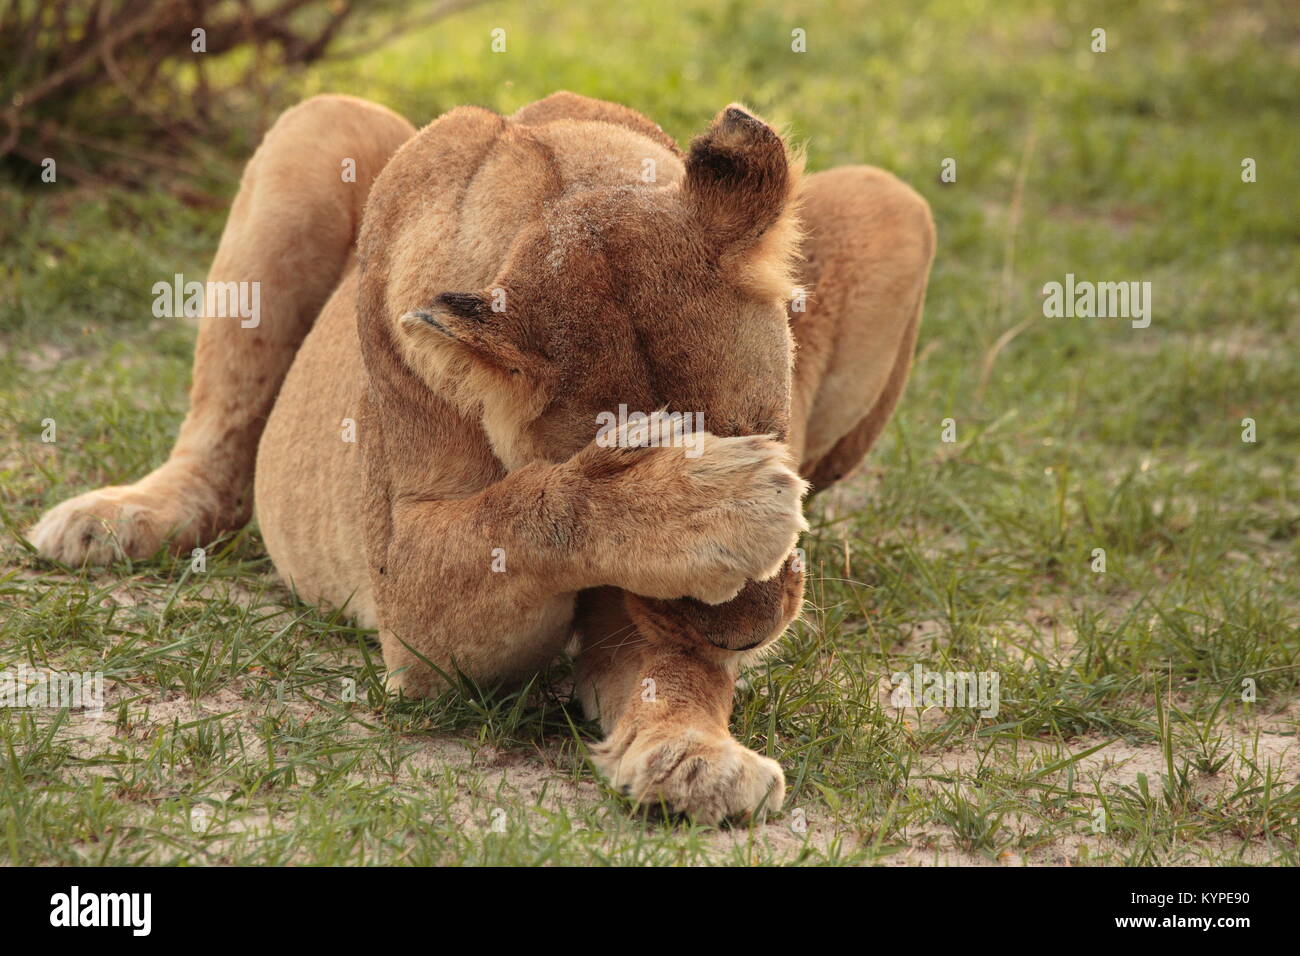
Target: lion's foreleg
{"type": "Point", "coordinates": [664, 708]}
{"type": "Point", "coordinates": [485, 583]}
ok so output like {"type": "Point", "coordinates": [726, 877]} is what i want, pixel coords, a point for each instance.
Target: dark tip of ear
{"type": "Point", "coordinates": [738, 140]}
{"type": "Point", "coordinates": [463, 305]}
{"type": "Point", "coordinates": [737, 176]}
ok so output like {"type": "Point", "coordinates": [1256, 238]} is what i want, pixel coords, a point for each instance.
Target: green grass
{"type": "Point", "coordinates": [229, 738]}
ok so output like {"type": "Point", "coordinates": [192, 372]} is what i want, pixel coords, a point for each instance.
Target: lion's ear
{"type": "Point", "coordinates": [739, 178]}
{"type": "Point", "coordinates": [467, 320]}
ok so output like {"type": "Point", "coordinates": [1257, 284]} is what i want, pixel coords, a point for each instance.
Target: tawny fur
{"type": "Point", "coordinates": [474, 424]}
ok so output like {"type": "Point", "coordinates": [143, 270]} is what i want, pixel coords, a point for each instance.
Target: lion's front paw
{"type": "Point", "coordinates": [705, 776]}
{"type": "Point", "coordinates": [117, 522]}
{"type": "Point", "coordinates": [700, 524]}
{"type": "Point", "coordinates": [749, 515]}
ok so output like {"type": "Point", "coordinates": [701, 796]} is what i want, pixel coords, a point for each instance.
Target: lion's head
{"type": "Point", "coordinates": [552, 283]}
{"type": "Point", "coordinates": [643, 295]}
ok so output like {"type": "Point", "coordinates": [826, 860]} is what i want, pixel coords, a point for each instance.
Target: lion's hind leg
{"type": "Point", "coordinates": [869, 241]}
{"type": "Point", "coordinates": [285, 246]}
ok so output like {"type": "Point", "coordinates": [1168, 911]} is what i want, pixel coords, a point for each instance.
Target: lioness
{"type": "Point", "coordinates": [471, 301]}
